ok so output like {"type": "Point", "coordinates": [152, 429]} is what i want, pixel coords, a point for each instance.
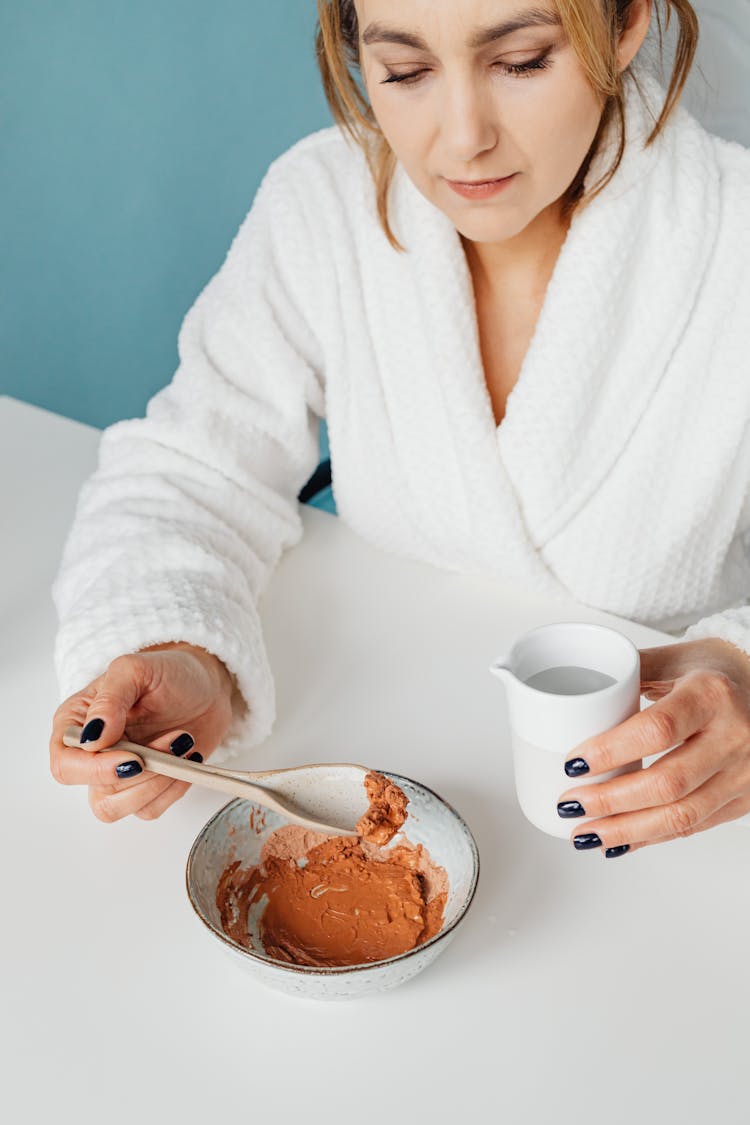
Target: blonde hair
{"type": "Point", "coordinates": [592, 29]}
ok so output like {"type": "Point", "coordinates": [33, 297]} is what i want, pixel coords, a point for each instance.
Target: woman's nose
{"type": "Point", "coordinates": [467, 126]}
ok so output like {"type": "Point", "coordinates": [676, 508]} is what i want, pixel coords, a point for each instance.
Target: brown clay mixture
{"type": "Point", "coordinates": [339, 900]}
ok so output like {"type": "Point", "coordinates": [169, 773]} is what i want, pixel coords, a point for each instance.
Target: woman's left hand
{"type": "Point", "coordinates": [701, 690]}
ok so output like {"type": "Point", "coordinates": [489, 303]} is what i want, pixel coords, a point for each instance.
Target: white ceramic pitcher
{"type": "Point", "coordinates": [546, 726]}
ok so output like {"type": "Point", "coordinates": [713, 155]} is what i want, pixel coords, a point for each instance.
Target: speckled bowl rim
{"type": "Point", "coordinates": [337, 970]}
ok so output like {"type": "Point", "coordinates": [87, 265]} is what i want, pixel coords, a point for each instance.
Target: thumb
{"type": "Point", "coordinates": [120, 688]}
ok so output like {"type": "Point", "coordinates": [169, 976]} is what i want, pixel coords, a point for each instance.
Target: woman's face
{"type": "Point", "coordinates": [476, 104]}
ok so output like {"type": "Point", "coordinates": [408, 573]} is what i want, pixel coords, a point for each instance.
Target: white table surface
{"type": "Point", "coordinates": [578, 989]}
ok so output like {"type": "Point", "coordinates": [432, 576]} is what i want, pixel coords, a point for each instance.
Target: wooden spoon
{"type": "Point", "coordinates": [325, 797]}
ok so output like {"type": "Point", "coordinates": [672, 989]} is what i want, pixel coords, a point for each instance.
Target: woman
{"type": "Point", "coordinates": [543, 380]}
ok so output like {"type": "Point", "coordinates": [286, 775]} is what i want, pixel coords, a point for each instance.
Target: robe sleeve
{"type": "Point", "coordinates": [730, 625]}
{"type": "Point", "coordinates": [178, 529]}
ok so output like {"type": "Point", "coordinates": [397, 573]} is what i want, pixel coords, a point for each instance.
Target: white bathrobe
{"type": "Point", "coordinates": [620, 474]}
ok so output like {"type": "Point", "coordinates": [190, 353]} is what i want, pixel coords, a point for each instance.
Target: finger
{"type": "Point", "coordinates": [670, 778]}
{"type": "Point", "coordinates": [733, 809]}
{"type": "Point", "coordinates": [658, 692]}
{"type": "Point", "coordinates": [75, 767]}
{"type": "Point", "coordinates": [178, 742]}
{"type": "Point", "coordinates": [661, 662]}
{"type": "Point", "coordinates": [73, 709]}
{"type": "Point", "coordinates": [155, 808]}
{"type": "Point", "coordinates": [681, 818]}
{"type": "Point", "coordinates": [126, 679]}
{"type": "Point", "coordinates": [109, 804]}
{"type": "Point", "coordinates": [688, 708]}
{"type": "Point", "coordinates": [71, 766]}
{"type": "Point", "coordinates": [670, 662]}
{"type": "Point", "coordinates": [71, 712]}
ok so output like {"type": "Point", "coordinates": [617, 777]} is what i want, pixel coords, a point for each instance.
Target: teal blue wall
{"type": "Point", "coordinates": [133, 136]}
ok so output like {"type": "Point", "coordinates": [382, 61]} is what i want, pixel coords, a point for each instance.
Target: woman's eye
{"type": "Point", "coordinates": [517, 69]}
{"type": "Point", "coordinates": [407, 78]}
{"type": "Point", "coordinates": [539, 63]}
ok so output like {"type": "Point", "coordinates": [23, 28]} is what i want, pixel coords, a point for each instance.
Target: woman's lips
{"type": "Point", "coordinates": [480, 190]}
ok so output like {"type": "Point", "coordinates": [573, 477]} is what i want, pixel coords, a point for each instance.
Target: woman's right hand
{"type": "Point", "coordinates": [153, 697]}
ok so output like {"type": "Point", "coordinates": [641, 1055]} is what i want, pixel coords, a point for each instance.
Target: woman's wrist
{"type": "Point", "coordinates": [732, 652]}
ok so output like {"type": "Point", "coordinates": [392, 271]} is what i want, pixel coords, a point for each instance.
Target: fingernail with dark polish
{"type": "Point", "coordinates": [128, 769]}
{"type": "Point", "coordinates": [610, 853]}
{"type": "Point", "coordinates": [575, 767]}
{"type": "Point", "coordinates": [570, 808]}
{"type": "Point", "coordinates": [92, 731]}
{"type": "Point", "coordinates": [196, 757]}
{"type": "Point", "coordinates": [181, 745]}
{"type": "Point", "coordinates": [587, 840]}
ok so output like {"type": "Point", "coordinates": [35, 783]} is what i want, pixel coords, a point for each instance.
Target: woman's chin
{"type": "Point", "coordinates": [487, 228]}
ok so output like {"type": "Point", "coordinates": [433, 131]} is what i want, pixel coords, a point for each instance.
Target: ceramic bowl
{"type": "Point", "coordinates": [239, 830]}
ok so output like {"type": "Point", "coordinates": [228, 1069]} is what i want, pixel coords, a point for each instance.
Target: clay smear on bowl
{"type": "Point", "coordinates": [338, 900]}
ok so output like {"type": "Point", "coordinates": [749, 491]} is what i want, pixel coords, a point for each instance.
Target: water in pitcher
{"type": "Point", "coordinates": [569, 679]}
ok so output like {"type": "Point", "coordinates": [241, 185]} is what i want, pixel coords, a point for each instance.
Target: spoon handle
{"type": "Point", "coordinates": [181, 769]}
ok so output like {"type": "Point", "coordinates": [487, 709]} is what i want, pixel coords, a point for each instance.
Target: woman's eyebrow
{"type": "Point", "coordinates": [534, 17]}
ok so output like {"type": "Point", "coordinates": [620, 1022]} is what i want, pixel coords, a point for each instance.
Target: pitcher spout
{"type": "Point", "coordinates": [503, 672]}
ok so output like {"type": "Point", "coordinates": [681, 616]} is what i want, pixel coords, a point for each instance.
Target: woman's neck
{"type": "Point", "coordinates": [521, 265]}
